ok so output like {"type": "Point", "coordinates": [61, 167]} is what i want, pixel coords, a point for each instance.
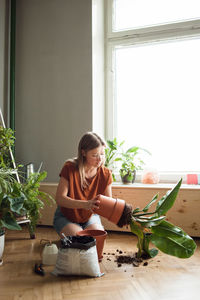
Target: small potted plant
{"type": "Point", "coordinates": [130, 162]}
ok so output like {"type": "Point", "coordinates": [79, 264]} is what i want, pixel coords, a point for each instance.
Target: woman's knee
{"type": "Point", "coordinates": [70, 229]}
{"type": "Point", "coordinates": [95, 226]}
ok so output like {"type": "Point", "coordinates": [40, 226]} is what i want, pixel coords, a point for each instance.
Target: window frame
{"type": "Point", "coordinates": [124, 38]}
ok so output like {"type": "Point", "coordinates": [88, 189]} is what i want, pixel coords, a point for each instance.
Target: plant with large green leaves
{"type": "Point", "coordinates": [9, 205]}
{"type": "Point", "coordinates": [18, 199]}
{"type": "Point", "coordinates": [152, 227]}
{"type": "Point", "coordinates": [21, 199]}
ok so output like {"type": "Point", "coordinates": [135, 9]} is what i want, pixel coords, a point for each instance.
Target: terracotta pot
{"type": "Point", "coordinates": [99, 235]}
{"type": "Point", "coordinates": [110, 208]}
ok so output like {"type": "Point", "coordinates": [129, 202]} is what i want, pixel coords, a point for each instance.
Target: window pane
{"type": "Point", "coordinates": [157, 102]}
{"type": "Point", "coordinates": [139, 13]}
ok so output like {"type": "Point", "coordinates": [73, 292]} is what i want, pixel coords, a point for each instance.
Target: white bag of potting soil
{"type": "Point", "coordinates": [71, 260]}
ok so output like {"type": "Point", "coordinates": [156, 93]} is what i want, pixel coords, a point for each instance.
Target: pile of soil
{"type": "Point", "coordinates": [126, 216]}
{"type": "Point", "coordinates": [120, 259]}
{"type": "Point", "coordinates": [130, 259]}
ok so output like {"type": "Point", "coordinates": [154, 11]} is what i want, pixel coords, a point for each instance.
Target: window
{"type": "Point", "coordinates": [153, 94]}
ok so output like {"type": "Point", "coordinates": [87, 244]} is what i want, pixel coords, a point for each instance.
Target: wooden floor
{"type": "Point", "coordinates": [164, 278]}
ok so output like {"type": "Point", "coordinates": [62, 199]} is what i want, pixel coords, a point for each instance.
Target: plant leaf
{"type": "Point", "coordinates": [172, 240]}
{"type": "Point", "coordinates": [149, 222]}
{"type": "Point", "coordinates": [150, 203]}
{"type": "Point", "coordinates": [168, 200]}
{"type": "Point", "coordinates": [132, 150]}
{"type": "Point", "coordinates": [16, 204]}
{"type": "Point", "coordinates": [9, 222]}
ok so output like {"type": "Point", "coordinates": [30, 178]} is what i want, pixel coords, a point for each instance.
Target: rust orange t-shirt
{"type": "Point", "coordinates": [97, 185]}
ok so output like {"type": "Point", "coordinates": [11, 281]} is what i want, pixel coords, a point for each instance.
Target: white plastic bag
{"type": "Point", "coordinates": [71, 261]}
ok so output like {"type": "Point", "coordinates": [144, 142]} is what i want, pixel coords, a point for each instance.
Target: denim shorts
{"type": "Point", "coordinates": [61, 221]}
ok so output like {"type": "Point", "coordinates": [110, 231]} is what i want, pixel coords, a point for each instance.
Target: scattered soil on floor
{"type": "Point", "coordinates": [128, 259]}
{"type": "Point", "coordinates": [126, 216]}
{"type": "Point", "coordinates": [121, 259]}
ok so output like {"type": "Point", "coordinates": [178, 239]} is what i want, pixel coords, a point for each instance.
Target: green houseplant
{"type": "Point", "coordinates": [7, 140]}
{"type": "Point", "coordinates": [152, 227]}
{"type": "Point", "coordinates": [130, 162]}
{"type": "Point", "coordinates": [112, 154]}
{"type": "Point", "coordinates": [7, 181]}
{"type": "Point", "coordinates": [8, 205]}
{"type": "Point", "coordinates": [16, 198]}
{"type": "Point", "coordinates": [19, 199]}
{"type": "Point", "coordinates": [34, 199]}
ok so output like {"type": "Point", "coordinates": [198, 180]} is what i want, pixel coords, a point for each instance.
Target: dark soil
{"type": "Point", "coordinates": [126, 216]}
{"type": "Point", "coordinates": [127, 259]}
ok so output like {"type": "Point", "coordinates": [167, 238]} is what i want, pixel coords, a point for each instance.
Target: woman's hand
{"type": "Point", "coordinates": [93, 203]}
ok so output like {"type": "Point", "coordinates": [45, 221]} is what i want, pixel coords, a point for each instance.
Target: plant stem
{"type": "Point", "coordinates": [144, 214]}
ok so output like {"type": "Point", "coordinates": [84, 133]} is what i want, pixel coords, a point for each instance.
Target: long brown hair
{"type": "Point", "coordinates": [89, 141]}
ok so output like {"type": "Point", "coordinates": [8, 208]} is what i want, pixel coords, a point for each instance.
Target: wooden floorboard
{"type": "Point", "coordinates": [164, 278]}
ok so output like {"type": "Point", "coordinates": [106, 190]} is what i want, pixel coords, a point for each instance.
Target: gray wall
{"type": "Point", "coordinates": [53, 80]}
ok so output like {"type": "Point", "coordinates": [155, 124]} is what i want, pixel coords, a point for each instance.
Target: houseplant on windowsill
{"type": "Point", "coordinates": [130, 163]}
{"type": "Point", "coordinates": [112, 155]}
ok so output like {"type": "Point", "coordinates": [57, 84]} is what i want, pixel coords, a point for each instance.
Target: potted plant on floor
{"type": "Point", "coordinates": [34, 199]}
{"type": "Point", "coordinates": [130, 163]}
{"type": "Point", "coordinates": [8, 207]}
{"type": "Point", "coordinates": [7, 181]}
{"type": "Point", "coordinates": [152, 227]}
{"type": "Point", "coordinates": [16, 198]}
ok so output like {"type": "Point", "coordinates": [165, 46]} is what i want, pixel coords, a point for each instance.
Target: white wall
{"type": "Point", "coordinates": [53, 80]}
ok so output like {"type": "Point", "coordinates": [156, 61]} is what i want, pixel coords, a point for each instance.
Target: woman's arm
{"type": "Point", "coordinates": [64, 201]}
{"type": "Point", "coordinates": [108, 191]}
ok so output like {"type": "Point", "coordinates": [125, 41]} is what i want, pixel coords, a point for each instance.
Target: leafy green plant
{"type": "Point", "coordinates": [10, 200]}
{"type": "Point", "coordinates": [34, 198]}
{"type": "Point", "coordinates": [130, 162]}
{"type": "Point", "coordinates": [18, 199]}
{"type": "Point", "coordinates": [113, 154]}
{"type": "Point", "coordinates": [7, 140]}
{"type": "Point", "coordinates": [152, 227]}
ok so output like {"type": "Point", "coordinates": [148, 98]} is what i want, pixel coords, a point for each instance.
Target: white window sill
{"type": "Point", "coordinates": [138, 185]}
{"type": "Point", "coordinates": [167, 181]}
